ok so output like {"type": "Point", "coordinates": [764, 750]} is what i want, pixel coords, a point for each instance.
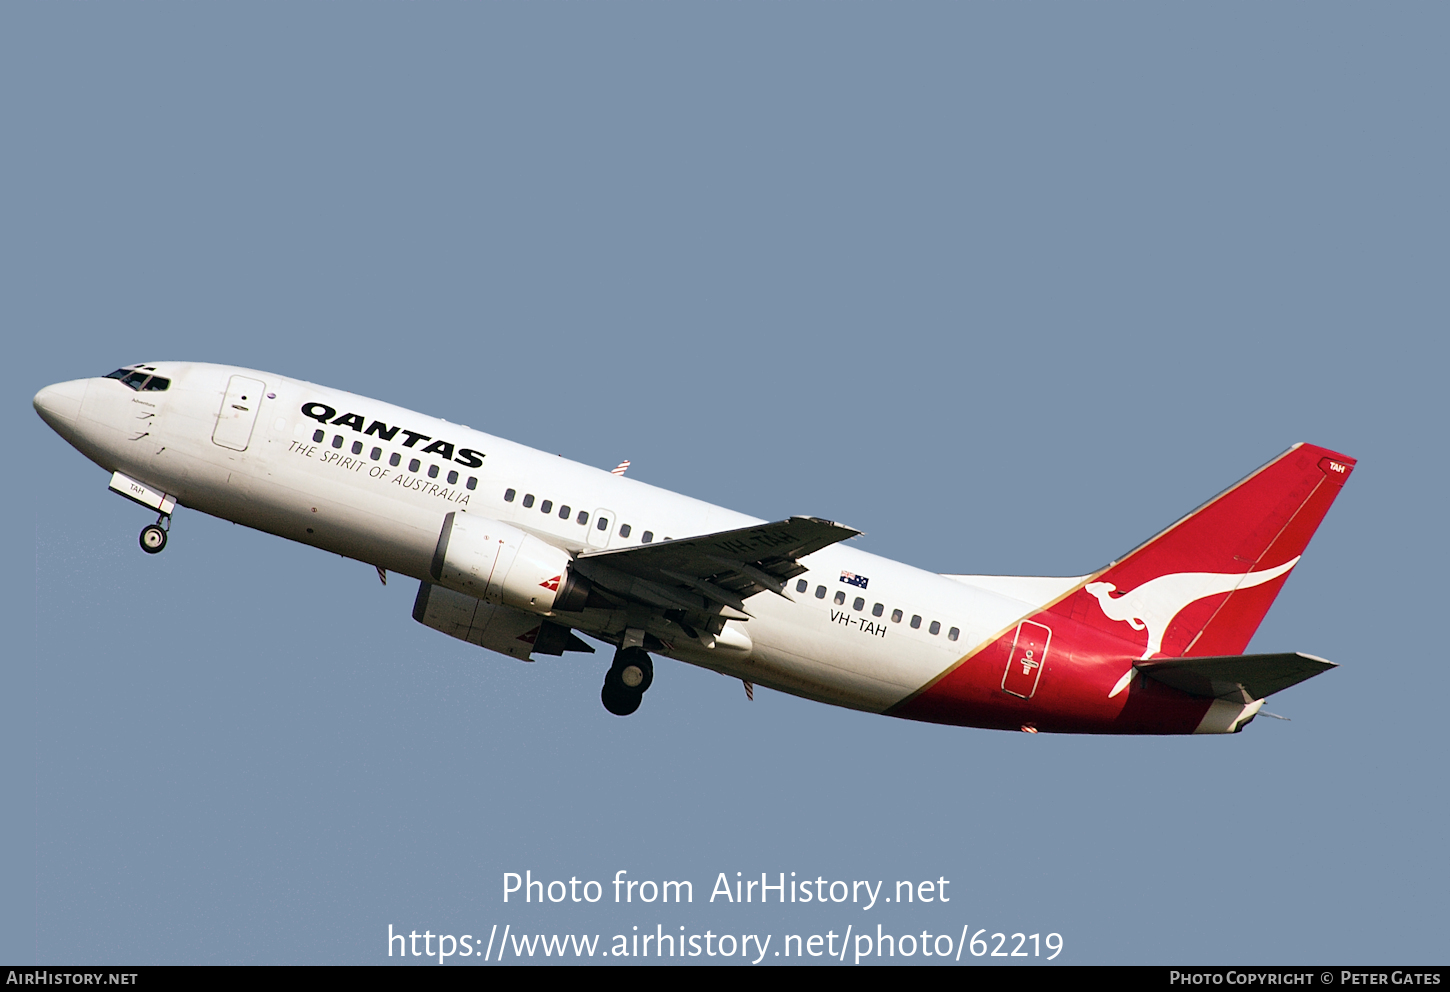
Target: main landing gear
{"type": "Point", "coordinates": [628, 678]}
{"type": "Point", "coordinates": [153, 536]}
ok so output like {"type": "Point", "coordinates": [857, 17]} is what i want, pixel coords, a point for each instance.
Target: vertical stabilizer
{"type": "Point", "coordinates": [1202, 586]}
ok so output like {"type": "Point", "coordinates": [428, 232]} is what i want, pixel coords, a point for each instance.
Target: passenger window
{"type": "Point", "coordinates": [508, 495]}
{"type": "Point", "coordinates": [452, 478]}
{"type": "Point", "coordinates": [432, 471]}
{"type": "Point", "coordinates": [859, 604]}
{"type": "Point", "coordinates": [357, 447]}
{"type": "Point", "coordinates": [602, 523]}
{"type": "Point", "coordinates": [582, 519]}
{"type": "Point", "coordinates": [820, 592]}
{"type": "Point", "coordinates": [546, 506]}
{"type": "Point", "coordinates": [802, 586]}
{"type": "Point", "coordinates": [895, 616]}
{"type": "Point", "coordinates": [156, 384]}
{"type": "Point", "coordinates": [472, 482]}
{"type": "Point", "coordinates": [935, 627]}
{"type": "Point", "coordinates": [337, 440]}
{"type": "Point", "coordinates": [413, 464]}
{"type": "Point", "coordinates": [916, 623]}
{"type": "Point", "coordinates": [647, 537]}
{"type": "Point", "coordinates": [375, 454]}
{"type": "Point", "coordinates": [394, 458]}
{"type": "Point", "coordinates": [528, 500]}
{"type": "Point", "coordinates": [564, 512]}
{"type": "Point", "coordinates": [840, 597]}
{"type": "Point", "coordinates": [317, 437]}
{"type": "Point", "coordinates": [953, 634]}
{"type": "Point", "coordinates": [624, 530]}
{"type": "Point", "coordinates": [877, 610]}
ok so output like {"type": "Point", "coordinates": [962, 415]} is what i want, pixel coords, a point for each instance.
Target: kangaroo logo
{"type": "Point", "coordinates": [1155, 603]}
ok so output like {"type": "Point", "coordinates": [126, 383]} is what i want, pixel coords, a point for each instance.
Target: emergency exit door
{"type": "Point", "coordinates": [238, 414]}
{"type": "Point", "coordinates": [600, 527]}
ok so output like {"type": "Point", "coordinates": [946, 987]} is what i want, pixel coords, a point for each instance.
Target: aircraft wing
{"type": "Point", "coordinates": [1234, 676]}
{"type": "Point", "coordinates": [713, 573]}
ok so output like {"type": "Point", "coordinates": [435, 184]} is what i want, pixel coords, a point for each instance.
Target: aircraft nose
{"type": "Point", "coordinates": [59, 405]}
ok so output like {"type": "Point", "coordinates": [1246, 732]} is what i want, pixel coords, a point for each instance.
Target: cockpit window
{"type": "Point", "coordinates": [141, 380]}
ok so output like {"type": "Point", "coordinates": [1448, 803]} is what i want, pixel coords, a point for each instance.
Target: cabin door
{"type": "Point", "coordinates": [238, 413]}
{"type": "Point", "coordinates": [1024, 664]}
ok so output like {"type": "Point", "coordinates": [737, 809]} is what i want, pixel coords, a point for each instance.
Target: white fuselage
{"type": "Point", "coordinates": [383, 500]}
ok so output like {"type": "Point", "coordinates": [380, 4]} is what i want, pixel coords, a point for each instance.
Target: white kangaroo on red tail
{"type": "Point", "coordinates": [1155, 603]}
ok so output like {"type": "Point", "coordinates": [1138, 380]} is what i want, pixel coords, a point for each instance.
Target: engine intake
{"type": "Point", "coordinates": [498, 563]}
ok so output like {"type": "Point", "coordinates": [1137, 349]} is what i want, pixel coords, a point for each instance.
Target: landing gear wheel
{"type": "Point", "coordinates": [153, 539]}
{"type": "Point", "coordinates": [619, 700]}
{"type": "Point", "coordinates": [631, 674]}
{"type": "Point", "coordinates": [633, 669]}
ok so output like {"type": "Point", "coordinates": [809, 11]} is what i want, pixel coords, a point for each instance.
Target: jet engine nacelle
{"type": "Point", "coordinates": [489, 625]}
{"type": "Point", "coordinates": [492, 561]}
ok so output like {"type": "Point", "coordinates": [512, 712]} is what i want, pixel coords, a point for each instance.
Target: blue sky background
{"type": "Point", "coordinates": [1008, 287]}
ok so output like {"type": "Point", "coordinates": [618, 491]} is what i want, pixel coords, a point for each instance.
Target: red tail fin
{"type": "Point", "coordinates": [1203, 585]}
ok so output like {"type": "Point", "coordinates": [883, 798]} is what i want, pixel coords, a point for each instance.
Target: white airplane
{"type": "Point", "coordinates": [515, 550]}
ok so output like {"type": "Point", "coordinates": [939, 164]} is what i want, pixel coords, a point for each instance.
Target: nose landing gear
{"type": "Point", "coordinates": [153, 536]}
{"type": "Point", "coordinates": [627, 680]}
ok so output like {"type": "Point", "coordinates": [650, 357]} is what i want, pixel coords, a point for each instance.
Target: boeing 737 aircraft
{"type": "Point", "coordinates": [515, 550]}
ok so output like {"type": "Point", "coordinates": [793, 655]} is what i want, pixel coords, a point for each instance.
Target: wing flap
{"type": "Point", "coordinates": [1244, 677]}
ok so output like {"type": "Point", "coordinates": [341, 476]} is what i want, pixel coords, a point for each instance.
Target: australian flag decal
{"type": "Point", "coordinates": [852, 579]}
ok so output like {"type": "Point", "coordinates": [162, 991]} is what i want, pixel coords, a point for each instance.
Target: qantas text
{"type": "Point", "coordinates": [324, 414]}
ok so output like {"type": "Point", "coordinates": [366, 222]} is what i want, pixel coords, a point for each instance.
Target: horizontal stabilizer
{"type": "Point", "coordinates": [1242, 677]}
